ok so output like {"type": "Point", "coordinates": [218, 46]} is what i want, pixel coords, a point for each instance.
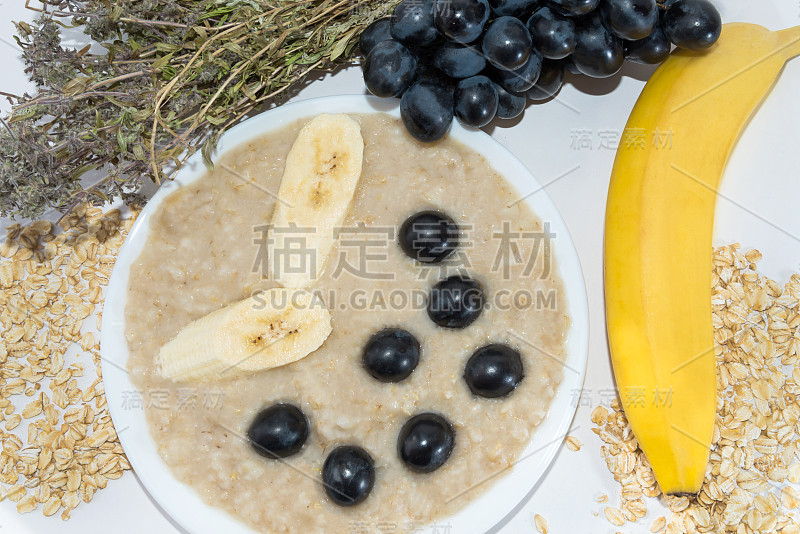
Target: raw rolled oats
{"type": "Point", "coordinates": [541, 524]}
{"type": "Point", "coordinates": [659, 524]}
{"type": "Point", "coordinates": [756, 437]}
{"type": "Point", "coordinates": [49, 285]}
{"type": "Point", "coordinates": [614, 516]}
{"type": "Point", "coordinates": [573, 443]}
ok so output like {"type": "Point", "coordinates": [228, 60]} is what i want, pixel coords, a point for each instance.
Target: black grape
{"type": "Point", "coordinates": [692, 24]}
{"type": "Point", "coordinates": [412, 23]}
{"type": "Point", "coordinates": [507, 43]}
{"type": "Point", "coordinates": [476, 101]}
{"type": "Point", "coordinates": [598, 52]}
{"type": "Point", "coordinates": [462, 20]}
{"type": "Point", "coordinates": [389, 69]}
{"type": "Point", "coordinates": [427, 110]}
{"type": "Point", "coordinates": [575, 7]}
{"type": "Point", "coordinates": [549, 82]}
{"type": "Point", "coordinates": [459, 61]}
{"type": "Point", "coordinates": [514, 8]}
{"type": "Point", "coordinates": [629, 19]}
{"type": "Point", "coordinates": [375, 33]}
{"type": "Point", "coordinates": [553, 34]}
{"type": "Point", "coordinates": [651, 50]}
{"type": "Point", "coordinates": [521, 79]}
{"type": "Point", "coordinates": [509, 105]}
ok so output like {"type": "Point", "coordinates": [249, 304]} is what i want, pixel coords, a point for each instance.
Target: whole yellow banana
{"type": "Point", "coordinates": [659, 222]}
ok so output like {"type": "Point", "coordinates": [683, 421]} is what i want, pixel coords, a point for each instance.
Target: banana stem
{"type": "Point", "coordinates": [791, 39]}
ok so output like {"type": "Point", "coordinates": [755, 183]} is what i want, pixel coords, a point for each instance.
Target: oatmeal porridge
{"type": "Point", "coordinates": [206, 250]}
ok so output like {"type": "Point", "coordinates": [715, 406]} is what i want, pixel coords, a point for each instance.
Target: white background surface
{"type": "Point", "coordinates": [758, 208]}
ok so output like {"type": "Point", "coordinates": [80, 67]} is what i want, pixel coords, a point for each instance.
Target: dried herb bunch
{"type": "Point", "coordinates": [173, 75]}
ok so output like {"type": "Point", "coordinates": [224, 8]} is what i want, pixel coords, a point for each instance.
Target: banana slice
{"type": "Point", "coordinates": [267, 330]}
{"type": "Point", "coordinates": [319, 181]}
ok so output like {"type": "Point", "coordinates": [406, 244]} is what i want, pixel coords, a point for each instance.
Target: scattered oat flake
{"type": "Point", "coordinates": [573, 443]}
{"type": "Point", "coordinates": [26, 504]}
{"type": "Point", "coordinates": [614, 516]}
{"type": "Point", "coordinates": [51, 506]}
{"type": "Point", "coordinates": [541, 524]}
{"type": "Point", "coordinates": [44, 299]}
{"type": "Point", "coordinates": [599, 415]}
{"type": "Point", "coordinates": [790, 497]}
{"type": "Point", "coordinates": [659, 524]}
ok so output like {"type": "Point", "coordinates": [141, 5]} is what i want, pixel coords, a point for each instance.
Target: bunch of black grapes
{"type": "Point", "coordinates": [481, 59]}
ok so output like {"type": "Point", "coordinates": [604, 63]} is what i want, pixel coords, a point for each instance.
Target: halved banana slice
{"type": "Point", "coordinates": [267, 330]}
{"type": "Point", "coordinates": [319, 181]}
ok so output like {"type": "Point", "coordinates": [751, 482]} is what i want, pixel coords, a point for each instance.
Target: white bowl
{"type": "Point", "coordinates": [181, 502]}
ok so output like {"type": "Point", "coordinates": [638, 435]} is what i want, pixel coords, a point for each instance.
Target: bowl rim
{"type": "Point", "coordinates": [507, 494]}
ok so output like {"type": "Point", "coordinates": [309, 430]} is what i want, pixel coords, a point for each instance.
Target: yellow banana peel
{"type": "Point", "coordinates": [658, 241]}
